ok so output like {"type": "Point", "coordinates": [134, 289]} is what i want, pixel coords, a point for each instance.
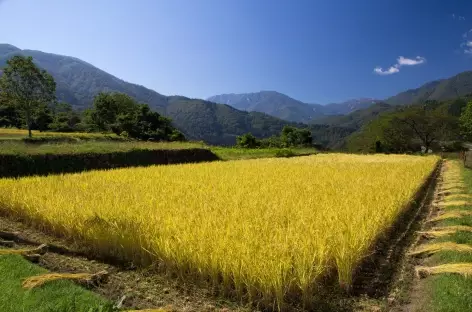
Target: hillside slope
{"type": "Point", "coordinates": [78, 82]}
{"type": "Point", "coordinates": [272, 103]}
{"type": "Point", "coordinates": [356, 119]}
{"type": "Point", "coordinates": [459, 85]}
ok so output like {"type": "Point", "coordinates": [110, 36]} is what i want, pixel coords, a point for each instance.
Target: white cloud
{"type": "Point", "coordinates": [392, 70]}
{"type": "Point", "coordinates": [459, 17]}
{"type": "Point", "coordinates": [468, 45]}
{"type": "Point", "coordinates": [410, 62]}
{"type": "Point", "coordinates": [401, 61]}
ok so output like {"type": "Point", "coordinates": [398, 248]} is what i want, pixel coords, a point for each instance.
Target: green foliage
{"type": "Point", "coordinates": [440, 90]}
{"type": "Point", "coordinates": [289, 137]}
{"type": "Point", "coordinates": [28, 88]}
{"type": "Point", "coordinates": [247, 141]}
{"type": "Point", "coordinates": [292, 136]}
{"type": "Point", "coordinates": [65, 119]}
{"type": "Point", "coordinates": [9, 115]}
{"type": "Point", "coordinates": [121, 114]}
{"type": "Point", "coordinates": [466, 121]}
{"type": "Point", "coordinates": [407, 129]}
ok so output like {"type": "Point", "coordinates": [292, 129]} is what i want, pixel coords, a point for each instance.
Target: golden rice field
{"type": "Point", "coordinates": [265, 228]}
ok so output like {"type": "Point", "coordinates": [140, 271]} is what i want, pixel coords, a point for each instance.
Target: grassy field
{"type": "Point", "coordinates": [56, 296]}
{"type": "Point", "coordinates": [265, 229]}
{"type": "Point", "coordinates": [230, 153]}
{"type": "Point", "coordinates": [14, 147]}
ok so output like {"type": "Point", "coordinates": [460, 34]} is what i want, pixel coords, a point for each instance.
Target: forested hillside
{"type": "Point", "coordinates": [77, 83]}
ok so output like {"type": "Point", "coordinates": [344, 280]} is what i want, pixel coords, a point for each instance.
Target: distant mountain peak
{"type": "Point", "coordinates": [283, 106]}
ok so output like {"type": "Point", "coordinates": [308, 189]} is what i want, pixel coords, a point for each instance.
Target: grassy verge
{"type": "Point", "coordinates": [225, 153]}
{"type": "Point", "coordinates": [230, 153]}
{"type": "Point", "coordinates": [60, 296]}
{"type": "Point", "coordinates": [19, 148]}
{"type": "Point", "coordinates": [453, 292]}
{"type": "Point", "coordinates": [19, 134]}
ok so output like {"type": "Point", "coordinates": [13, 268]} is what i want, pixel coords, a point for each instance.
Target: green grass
{"type": "Point", "coordinates": [450, 292]}
{"type": "Point", "coordinates": [18, 147]}
{"type": "Point", "coordinates": [233, 153]}
{"type": "Point", "coordinates": [55, 296]}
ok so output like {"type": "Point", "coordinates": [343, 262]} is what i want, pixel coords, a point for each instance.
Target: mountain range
{"type": "Point", "coordinates": [220, 118]}
{"type": "Point", "coordinates": [284, 107]}
{"type": "Point", "coordinates": [78, 82]}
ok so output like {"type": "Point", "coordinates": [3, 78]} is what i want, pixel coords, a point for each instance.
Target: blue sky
{"type": "Point", "coordinates": [314, 51]}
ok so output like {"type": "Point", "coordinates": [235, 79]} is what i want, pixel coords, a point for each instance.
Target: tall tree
{"type": "Point", "coordinates": [27, 87]}
{"type": "Point", "coordinates": [427, 124]}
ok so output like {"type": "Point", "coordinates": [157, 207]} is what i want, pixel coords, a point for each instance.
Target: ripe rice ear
{"type": "Point", "coordinates": [455, 228]}
{"type": "Point", "coordinates": [451, 215]}
{"type": "Point", "coordinates": [429, 249]}
{"type": "Point", "coordinates": [436, 233]}
{"type": "Point", "coordinates": [86, 278]}
{"type": "Point", "coordinates": [464, 269]}
{"type": "Point", "coordinates": [459, 196]}
{"type": "Point", "coordinates": [453, 203]}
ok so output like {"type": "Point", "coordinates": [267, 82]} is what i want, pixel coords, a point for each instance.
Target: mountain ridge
{"type": "Point", "coordinates": [78, 82]}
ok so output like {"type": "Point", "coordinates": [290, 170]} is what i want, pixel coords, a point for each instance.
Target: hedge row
{"type": "Point", "coordinates": [44, 164]}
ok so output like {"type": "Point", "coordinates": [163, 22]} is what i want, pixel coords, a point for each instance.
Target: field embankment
{"type": "Point", "coordinates": [269, 231]}
{"type": "Point", "coordinates": [443, 255]}
{"type": "Point", "coordinates": [21, 159]}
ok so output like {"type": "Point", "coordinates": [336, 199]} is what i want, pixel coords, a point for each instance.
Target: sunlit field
{"type": "Point", "coordinates": [13, 133]}
{"type": "Point", "coordinates": [264, 229]}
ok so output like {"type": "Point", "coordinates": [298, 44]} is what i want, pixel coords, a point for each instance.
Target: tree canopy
{"type": "Point", "coordinates": [27, 88]}
{"type": "Point", "coordinates": [121, 114]}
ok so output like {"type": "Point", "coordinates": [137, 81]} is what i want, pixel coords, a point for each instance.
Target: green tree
{"type": "Point", "coordinates": [121, 114]}
{"type": "Point", "coordinates": [27, 87]}
{"type": "Point", "coordinates": [427, 124]}
{"type": "Point", "coordinates": [65, 119]}
{"type": "Point", "coordinates": [292, 136]}
{"type": "Point", "coordinates": [405, 129]}
{"type": "Point", "coordinates": [247, 141]}
{"type": "Point", "coordinates": [108, 106]}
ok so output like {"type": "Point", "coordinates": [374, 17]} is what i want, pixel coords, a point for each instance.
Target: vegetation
{"type": "Point", "coordinates": [119, 113]}
{"type": "Point", "coordinates": [408, 128]}
{"type": "Point", "coordinates": [59, 296]}
{"type": "Point", "coordinates": [234, 153]}
{"type": "Point", "coordinates": [27, 88]}
{"type": "Point", "coordinates": [87, 147]}
{"type": "Point", "coordinates": [289, 137]}
{"type": "Point", "coordinates": [439, 90]}
{"type": "Point", "coordinates": [233, 223]}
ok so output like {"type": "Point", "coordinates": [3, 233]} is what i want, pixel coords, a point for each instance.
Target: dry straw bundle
{"type": "Point", "coordinates": [82, 278]}
{"type": "Point", "coordinates": [464, 269]}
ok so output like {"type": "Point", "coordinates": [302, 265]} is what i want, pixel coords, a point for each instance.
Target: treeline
{"type": "Point", "coordinates": [28, 100]}
{"type": "Point", "coordinates": [431, 125]}
{"type": "Point", "coordinates": [289, 137]}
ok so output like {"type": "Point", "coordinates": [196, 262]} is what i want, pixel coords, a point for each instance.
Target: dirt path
{"type": "Point", "coordinates": [418, 292]}
{"type": "Point", "coordinates": [137, 289]}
